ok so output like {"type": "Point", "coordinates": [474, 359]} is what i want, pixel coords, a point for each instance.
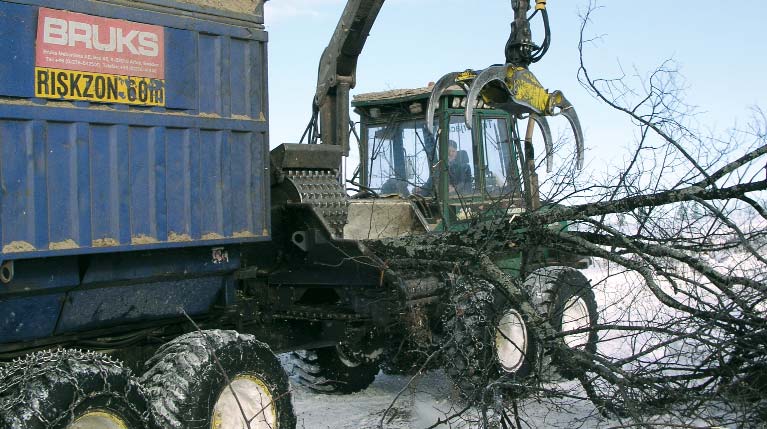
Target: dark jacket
{"type": "Point", "coordinates": [459, 173]}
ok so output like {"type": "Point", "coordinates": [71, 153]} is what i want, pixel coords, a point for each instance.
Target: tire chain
{"type": "Point", "coordinates": [324, 371]}
{"type": "Point", "coordinates": [178, 367]}
{"type": "Point", "coordinates": [15, 374]}
{"type": "Point", "coordinates": [544, 292]}
{"type": "Point", "coordinates": [471, 306]}
{"type": "Point", "coordinates": [194, 348]}
{"type": "Point", "coordinates": [404, 274]}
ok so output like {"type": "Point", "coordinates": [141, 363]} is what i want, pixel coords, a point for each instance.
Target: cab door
{"type": "Point", "coordinates": [499, 170]}
{"type": "Point", "coordinates": [489, 151]}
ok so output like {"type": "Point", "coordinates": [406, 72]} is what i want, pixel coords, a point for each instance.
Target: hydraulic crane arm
{"type": "Point", "coordinates": [338, 70]}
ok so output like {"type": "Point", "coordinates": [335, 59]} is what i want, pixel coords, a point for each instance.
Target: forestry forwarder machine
{"type": "Point", "coordinates": [442, 160]}
{"type": "Point", "coordinates": [215, 259]}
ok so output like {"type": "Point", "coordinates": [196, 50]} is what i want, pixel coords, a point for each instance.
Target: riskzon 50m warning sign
{"type": "Point", "coordinates": [90, 58]}
{"type": "Point", "coordinates": [104, 88]}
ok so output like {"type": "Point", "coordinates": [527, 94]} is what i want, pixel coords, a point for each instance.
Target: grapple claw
{"type": "Point", "coordinates": [543, 124]}
{"type": "Point", "coordinates": [572, 117]}
{"type": "Point", "coordinates": [557, 101]}
{"type": "Point", "coordinates": [513, 89]}
{"type": "Point", "coordinates": [490, 74]}
{"type": "Point", "coordinates": [441, 86]}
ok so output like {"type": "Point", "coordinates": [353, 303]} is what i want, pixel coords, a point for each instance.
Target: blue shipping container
{"type": "Point", "coordinates": [108, 168]}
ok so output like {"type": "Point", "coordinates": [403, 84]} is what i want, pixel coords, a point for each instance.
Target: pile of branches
{"type": "Point", "coordinates": [680, 236]}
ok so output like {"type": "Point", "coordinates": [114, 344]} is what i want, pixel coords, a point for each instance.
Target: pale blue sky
{"type": "Point", "coordinates": [718, 49]}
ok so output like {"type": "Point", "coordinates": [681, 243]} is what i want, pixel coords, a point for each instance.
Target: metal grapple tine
{"type": "Point", "coordinates": [486, 76]}
{"type": "Point", "coordinates": [543, 124]}
{"type": "Point", "coordinates": [442, 84]}
{"type": "Point", "coordinates": [568, 111]}
{"type": "Point", "coordinates": [557, 100]}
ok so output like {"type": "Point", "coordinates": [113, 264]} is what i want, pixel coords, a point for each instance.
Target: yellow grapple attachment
{"type": "Point", "coordinates": [516, 90]}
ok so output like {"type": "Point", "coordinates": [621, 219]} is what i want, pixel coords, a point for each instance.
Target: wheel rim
{"type": "Point", "coordinates": [576, 316]}
{"type": "Point", "coordinates": [255, 399]}
{"type": "Point", "coordinates": [511, 341]}
{"type": "Point", "coordinates": [352, 360]}
{"type": "Point", "coordinates": [98, 419]}
{"type": "Point", "coordinates": [345, 359]}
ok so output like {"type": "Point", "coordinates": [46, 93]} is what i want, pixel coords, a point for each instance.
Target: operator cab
{"type": "Point", "coordinates": [414, 181]}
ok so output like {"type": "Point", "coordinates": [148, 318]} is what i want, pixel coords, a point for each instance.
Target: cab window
{"type": "Point", "coordinates": [460, 158]}
{"type": "Point", "coordinates": [498, 162]}
{"type": "Point", "coordinates": [401, 158]}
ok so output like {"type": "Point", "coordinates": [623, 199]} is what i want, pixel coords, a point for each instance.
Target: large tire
{"type": "Point", "coordinates": [563, 296]}
{"type": "Point", "coordinates": [330, 370]}
{"type": "Point", "coordinates": [70, 389]}
{"type": "Point", "coordinates": [488, 339]}
{"type": "Point", "coordinates": [188, 390]}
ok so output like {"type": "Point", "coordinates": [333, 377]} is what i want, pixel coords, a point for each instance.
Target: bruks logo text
{"type": "Point", "coordinates": [90, 36]}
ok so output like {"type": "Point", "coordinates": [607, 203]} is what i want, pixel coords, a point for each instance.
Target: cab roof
{"type": "Point", "coordinates": [399, 95]}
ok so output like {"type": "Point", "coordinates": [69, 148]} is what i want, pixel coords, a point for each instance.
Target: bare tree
{"type": "Point", "coordinates": [678, 237]}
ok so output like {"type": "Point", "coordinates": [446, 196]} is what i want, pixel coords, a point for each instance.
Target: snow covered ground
{"type": "Point", "coordinates": [421, 405]}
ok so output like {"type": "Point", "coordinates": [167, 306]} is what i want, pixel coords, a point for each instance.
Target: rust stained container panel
{"type": "Point", "coordinates": [84, 177]}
